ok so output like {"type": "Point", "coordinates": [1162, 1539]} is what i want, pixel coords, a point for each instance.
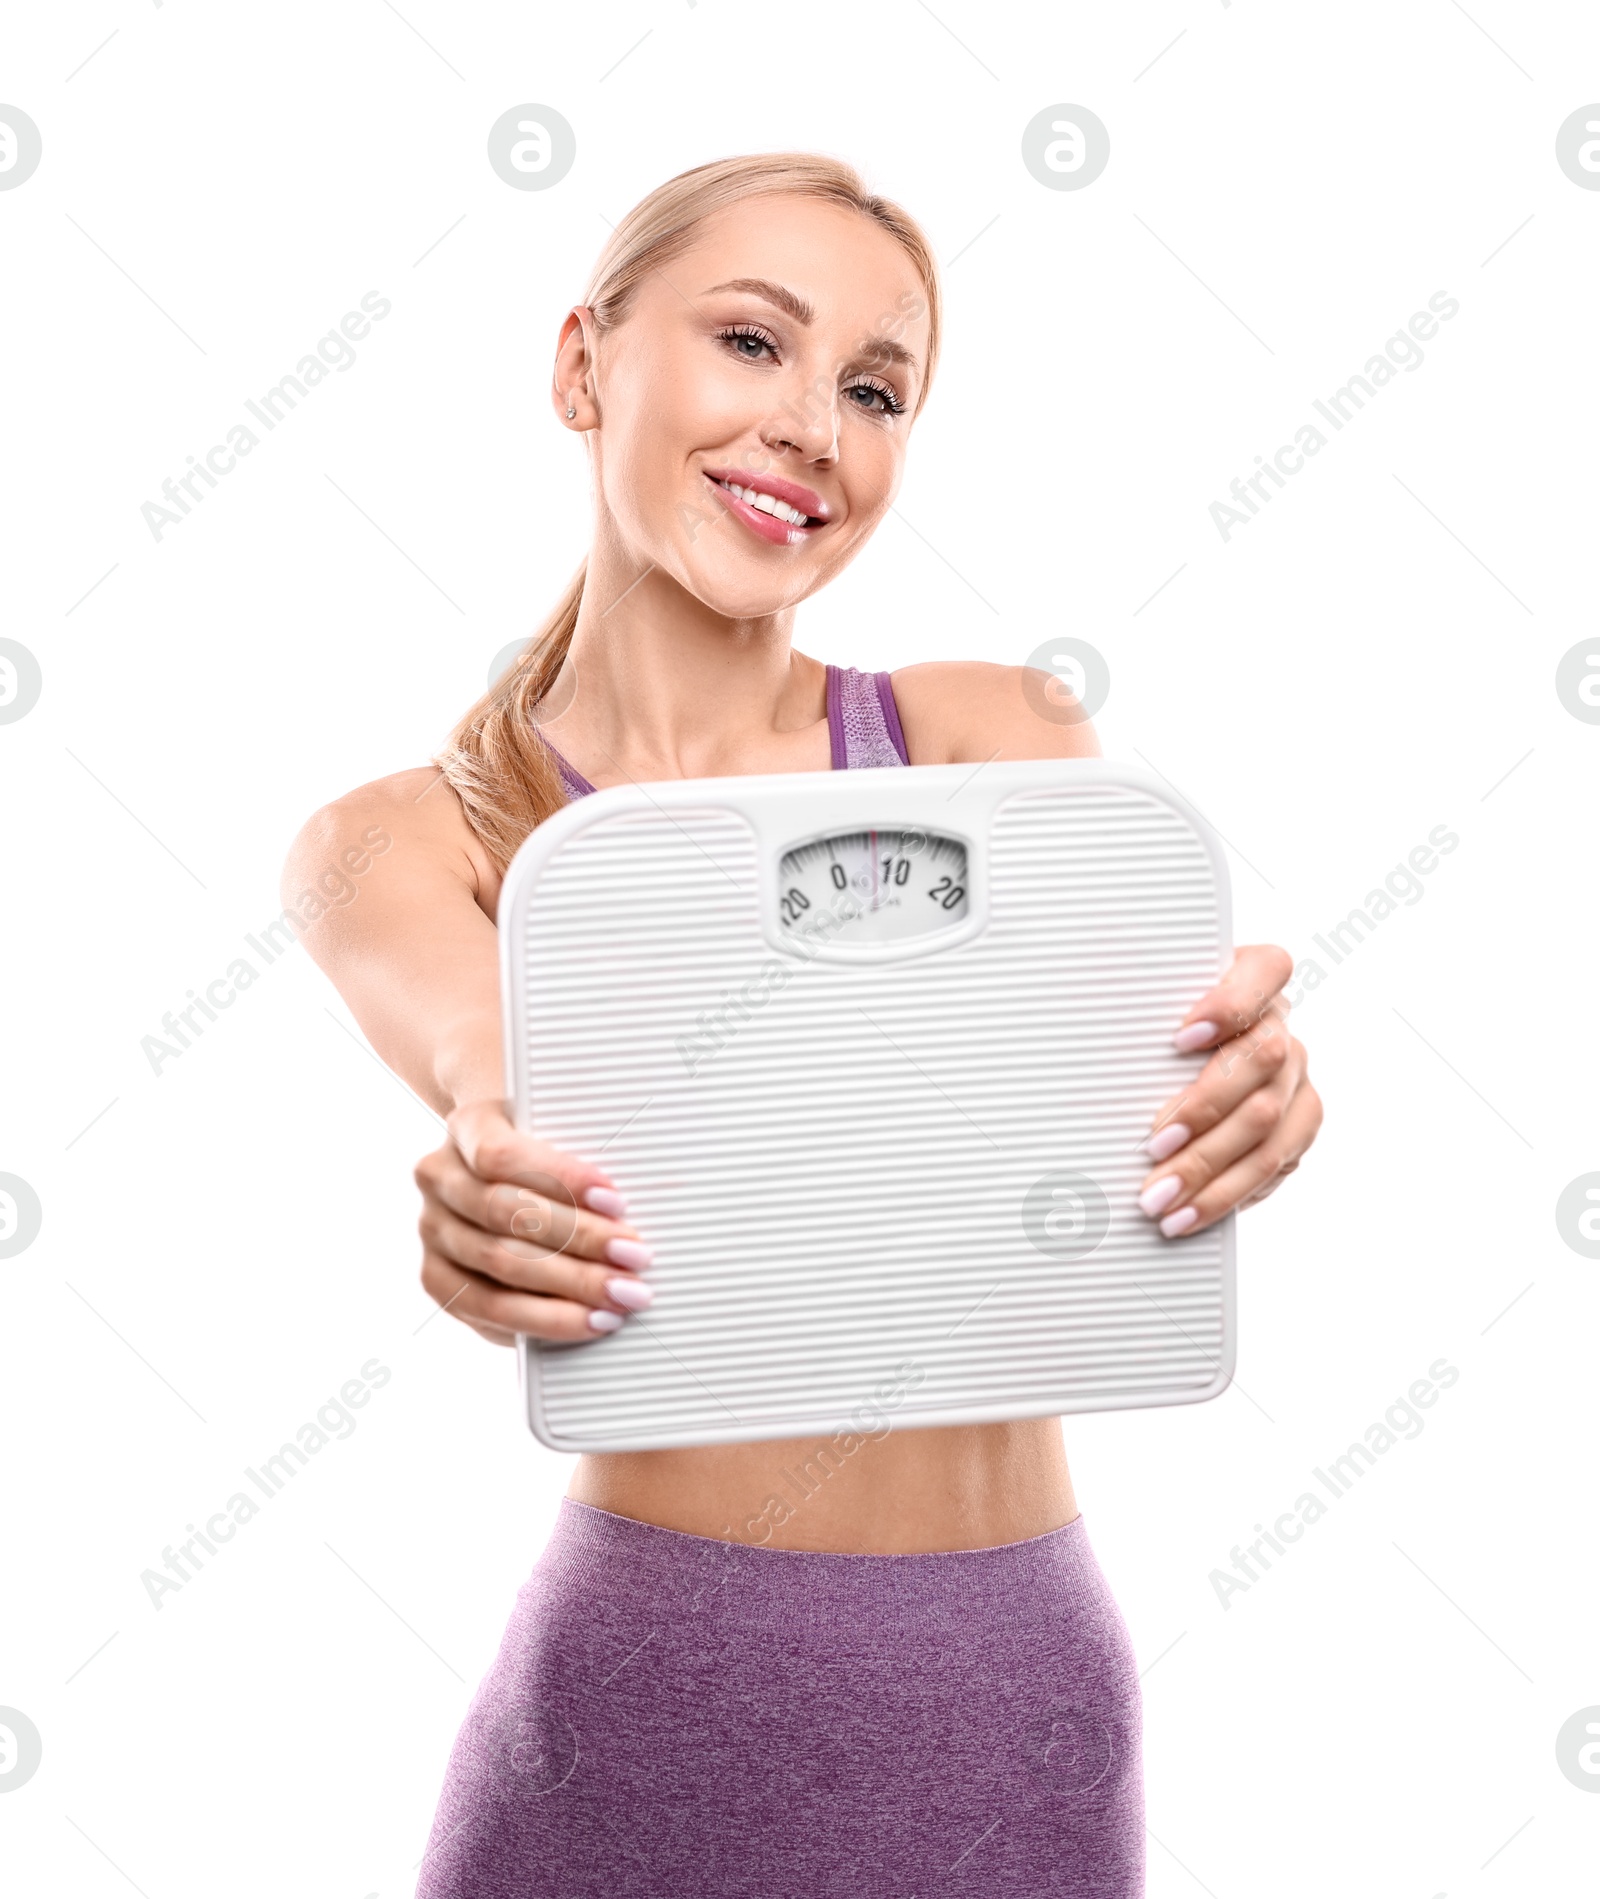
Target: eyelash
{"type": "Point", "coordinates": [892, 405]}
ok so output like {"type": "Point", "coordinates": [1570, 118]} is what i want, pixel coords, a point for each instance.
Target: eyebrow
{"type": "Point", "coordinates": [874, 350]}
{"type": "Point", "coordinates": [776, 294]}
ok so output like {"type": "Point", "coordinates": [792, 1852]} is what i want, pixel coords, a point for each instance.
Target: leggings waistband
{"type": "Point", "coordinates": [599, 1553]}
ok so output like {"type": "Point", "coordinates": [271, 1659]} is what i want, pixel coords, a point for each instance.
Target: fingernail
{"type": "Point", "coordinates": [630, 1293]}
{"type": "Point", "coordinates": [604, 1321]}
{"type": "Point", "coordinates": [629, 1253]}
{"type": "Point", "coordinates": [1168, 1141]}
{"type": "Point", "coordinates": [604, 1200]}
{"type": "Point", "coordinates": [1195, 1036]}
{"type": "Point", "coordinates": [1160, 1193]}
{"type": "Point", "coordinates": [1179, 1222]}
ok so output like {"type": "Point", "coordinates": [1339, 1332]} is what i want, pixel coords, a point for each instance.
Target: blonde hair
{"type": "Point", "coordinates": [494, 759]}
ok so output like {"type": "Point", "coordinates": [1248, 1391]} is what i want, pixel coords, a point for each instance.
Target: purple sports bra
{"type": "Point", "coordinates": [863, 727]}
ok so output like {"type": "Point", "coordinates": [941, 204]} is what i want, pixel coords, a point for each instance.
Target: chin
{"type": "Point", "coordinates": [738, 593]}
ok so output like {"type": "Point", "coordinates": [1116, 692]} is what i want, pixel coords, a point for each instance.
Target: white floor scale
{"type": "Point", "coordinates": [871, 1055]}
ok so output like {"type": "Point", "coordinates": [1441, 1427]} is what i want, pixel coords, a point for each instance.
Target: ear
{"type": "Point", "coordinates": [572, 384]}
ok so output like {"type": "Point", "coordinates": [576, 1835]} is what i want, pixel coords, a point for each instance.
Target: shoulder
{"type": "Point", "coordinates": [414, 809]}
{"type": "Point", "coordinates": [960, 711]}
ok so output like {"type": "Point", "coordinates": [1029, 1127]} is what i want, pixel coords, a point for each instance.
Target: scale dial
{"type": "Point", "coordinates": [873, 886]}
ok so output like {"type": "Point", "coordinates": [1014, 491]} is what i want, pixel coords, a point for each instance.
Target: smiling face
{"type": "Point", "coordinates": [751, 412]}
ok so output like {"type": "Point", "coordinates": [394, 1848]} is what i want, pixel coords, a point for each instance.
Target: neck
{"type": "Point", "coordinates": [661, 686]}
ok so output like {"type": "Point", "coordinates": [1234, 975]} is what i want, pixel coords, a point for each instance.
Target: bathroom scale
{"type": "Point", "coordinates": [871, 1055]}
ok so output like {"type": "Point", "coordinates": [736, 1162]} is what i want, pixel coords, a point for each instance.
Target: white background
{"type": "Point", "coordinates": [229, 1241]}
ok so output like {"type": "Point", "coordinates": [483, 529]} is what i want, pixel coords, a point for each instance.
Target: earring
{"type": "Point", "coordinates": [571, 413]}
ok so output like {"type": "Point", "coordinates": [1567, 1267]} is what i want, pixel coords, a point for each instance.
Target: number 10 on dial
{"type": "Point", "coordinates": [873, 886]}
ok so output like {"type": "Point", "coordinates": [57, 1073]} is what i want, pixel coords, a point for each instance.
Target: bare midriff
{"type": "Point", "coordinates": [945, 1487]}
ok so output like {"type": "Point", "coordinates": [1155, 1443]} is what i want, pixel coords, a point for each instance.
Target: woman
{"type": "Point", "coordinates": [918, 1683]}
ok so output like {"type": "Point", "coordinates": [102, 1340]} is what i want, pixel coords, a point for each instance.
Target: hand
{"type": "Point", "coordinates": [519, 1237]}
{"type": "Point", "coordinates": [1243, 1124]}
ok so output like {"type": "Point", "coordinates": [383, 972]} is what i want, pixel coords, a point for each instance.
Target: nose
{"type": "Point", "coordinates": [807, 421]}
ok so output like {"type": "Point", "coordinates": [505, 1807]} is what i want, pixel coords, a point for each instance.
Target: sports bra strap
{"type": "Point", "coordinates": [863, 720]}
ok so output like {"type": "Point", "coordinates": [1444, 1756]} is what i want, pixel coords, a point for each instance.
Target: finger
{"type": "Point", "coordinates": [1265, 1054]}
{"type": "Point", "coordinates": [542, 1217]}
{"type": "Point", "coordinates": [495, 1150]}
{"type": "Point", "coordinates": [523, 1267]}
{"type": "Point", "coordinates": [490, 1309]}
{"type": "Point", "coordinates": [1258, 1172]}
{"type": "Point", "coordinates": [1171, 1188]}
{"type": "Point", "coordinates": [1254, 981]}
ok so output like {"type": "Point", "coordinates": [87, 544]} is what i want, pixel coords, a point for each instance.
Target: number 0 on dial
{"type": "Point", "coordinates": [873, 886]}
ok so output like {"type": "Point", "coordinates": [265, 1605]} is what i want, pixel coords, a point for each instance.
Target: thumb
{"type": "Point", "coordinates": [496, 1150]}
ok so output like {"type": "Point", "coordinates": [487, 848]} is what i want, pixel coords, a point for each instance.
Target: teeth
{"type": "Point", "coordinates": [768, 504]}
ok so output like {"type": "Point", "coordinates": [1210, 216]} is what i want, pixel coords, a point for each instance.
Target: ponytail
{"type": "Point", "coordinates": [494, 760]}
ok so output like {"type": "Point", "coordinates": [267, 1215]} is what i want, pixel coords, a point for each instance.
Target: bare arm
{"type": "Point", "coordinates": [517, 1236]}
{"type": "Point", "coordinates": [413, 951]}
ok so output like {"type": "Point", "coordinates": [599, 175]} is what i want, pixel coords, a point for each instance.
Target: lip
{"type": "Point", "coordinates": [768, 526]}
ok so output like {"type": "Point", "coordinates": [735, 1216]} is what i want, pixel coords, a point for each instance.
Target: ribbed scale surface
{"type": "Point", "coordinates": [838, 1185]}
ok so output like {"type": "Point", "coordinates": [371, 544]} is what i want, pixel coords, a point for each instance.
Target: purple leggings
{"type": "Point", "coordinates": [680, 1715]}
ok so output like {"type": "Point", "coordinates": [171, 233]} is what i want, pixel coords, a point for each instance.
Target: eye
{"type": "Point", "coordinates": [879, 398]}
{"type": "Point", "coordinates": [747, 342]}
